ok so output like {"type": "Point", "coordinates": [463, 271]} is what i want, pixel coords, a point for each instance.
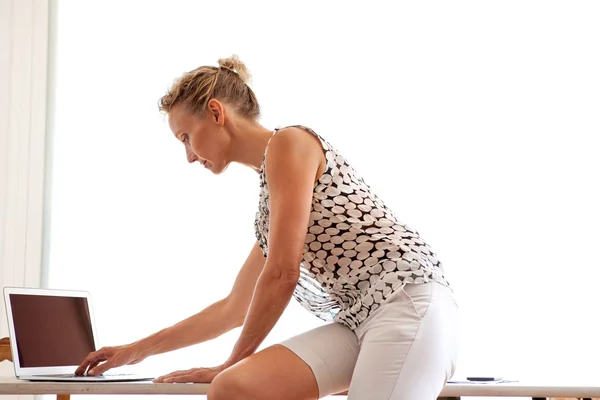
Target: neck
{"type": "Point", "coordinates": [249, 141]}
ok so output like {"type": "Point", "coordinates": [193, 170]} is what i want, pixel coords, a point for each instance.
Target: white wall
{"type": "Point", "coordinates": [23, 62]}
{"type": "Point", "coordinates": [476, 122]}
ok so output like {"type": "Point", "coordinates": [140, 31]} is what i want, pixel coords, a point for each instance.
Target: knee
{"type": "Point", "coordinates": [227, 386]}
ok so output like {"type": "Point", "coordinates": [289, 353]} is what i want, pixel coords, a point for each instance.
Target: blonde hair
{"type": "Point", "coordinates": [228, 83]}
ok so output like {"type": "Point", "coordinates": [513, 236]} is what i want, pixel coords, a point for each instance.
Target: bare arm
{"type": "Point", "coordinates": [215, 320]}
{"type": "Point", "coordinates": [292, 162]}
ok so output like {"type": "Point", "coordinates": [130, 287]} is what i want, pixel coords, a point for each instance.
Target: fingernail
{"type": "Point", "coordinates": [91, 372]}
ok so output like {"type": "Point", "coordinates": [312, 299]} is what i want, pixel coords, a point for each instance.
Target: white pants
{"type": "Point", "coordinates": [404, 350]}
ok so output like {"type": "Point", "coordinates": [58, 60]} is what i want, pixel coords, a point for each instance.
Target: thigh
{"type": "Point", "coordinates": [305, 367]}
{"type": "Point", "coordinates": [408, 349]}
{"type": "Point", "coordinates": [331, 352]}
{"type": "Point", "coordinates": [272, 373]}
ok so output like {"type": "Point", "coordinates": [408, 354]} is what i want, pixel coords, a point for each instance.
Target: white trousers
{"type": "Point", "coordinates": [404, 350]}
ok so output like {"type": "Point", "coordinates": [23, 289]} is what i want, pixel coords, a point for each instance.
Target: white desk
{"type": "Point", "coordinates": [11, 385]}
{"type": "Point", "coordinates": [535, 390]}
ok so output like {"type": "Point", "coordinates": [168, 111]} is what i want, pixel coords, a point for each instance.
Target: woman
{"type": "Point", "coordinates": [324, 238]}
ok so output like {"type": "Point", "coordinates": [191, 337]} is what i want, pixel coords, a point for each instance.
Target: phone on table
{"type": "Point", "coordinates": [484, 378]}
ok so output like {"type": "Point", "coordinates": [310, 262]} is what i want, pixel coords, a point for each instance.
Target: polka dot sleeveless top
{"type": "Point", "coordinates": [356, 252]}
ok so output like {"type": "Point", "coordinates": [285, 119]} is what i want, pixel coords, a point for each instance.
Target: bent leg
{"type": "Point", "coordinates": [273, 373]}
{"type": "Point", "coordinates": [409, 348]}
{"type": "Point", "coordinates": [309, 366]}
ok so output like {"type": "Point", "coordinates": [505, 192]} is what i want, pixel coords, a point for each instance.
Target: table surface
{"type": "Point", "coordinates": [12, 385]}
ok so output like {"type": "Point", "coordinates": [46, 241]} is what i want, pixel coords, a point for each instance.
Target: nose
{"type": "Point", "coordinates": [191, 157]}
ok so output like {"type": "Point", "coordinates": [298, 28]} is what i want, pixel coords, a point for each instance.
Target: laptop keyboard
{"type": "Point", "coordinates": [88, 376]}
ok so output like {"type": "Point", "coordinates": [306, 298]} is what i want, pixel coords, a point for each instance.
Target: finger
{"type": "Point", "coordinates": [171, 375]}
{"type": "Point", "coordinates": [94, 365]}
{"type": "Point", "coordinates": [91, 358]}
{"type": "Point", "coordinates": [180, 378]}
{"type": "Point", "coordinates": [84, 364]}
{"type": "Point", "coordinates": [102, 368]}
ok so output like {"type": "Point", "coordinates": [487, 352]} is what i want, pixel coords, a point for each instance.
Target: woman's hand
{"type": "Point", "coordinates": [194, 375]}
{"type": "Point", "coordinates": [111, 357]}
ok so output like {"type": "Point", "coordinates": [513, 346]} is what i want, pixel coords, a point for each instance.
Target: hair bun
{"type": "Point", "coordinates": [234, 64]}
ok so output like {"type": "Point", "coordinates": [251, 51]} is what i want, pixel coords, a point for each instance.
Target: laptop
{"type": "Point", "coordinates": [51, 333]}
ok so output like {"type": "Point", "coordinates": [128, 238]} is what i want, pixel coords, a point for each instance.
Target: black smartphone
{"type": "Point", "coordinates": [484, 378]}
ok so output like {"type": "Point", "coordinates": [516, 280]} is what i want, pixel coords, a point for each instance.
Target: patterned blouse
{"type": "Point", "coordinates": [356, 252]}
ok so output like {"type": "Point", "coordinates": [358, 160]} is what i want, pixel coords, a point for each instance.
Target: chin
{"type": "Point", "coordinates": [219, 170]}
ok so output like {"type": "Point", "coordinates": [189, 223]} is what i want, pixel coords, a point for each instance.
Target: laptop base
{"type": "Point", "coordinates": [86, 378]}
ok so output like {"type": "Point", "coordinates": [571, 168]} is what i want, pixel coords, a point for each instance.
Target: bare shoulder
{"type": "Point", "coordinates": [295, 141]}
{"type": "Point", "coordinates": [295, 148]}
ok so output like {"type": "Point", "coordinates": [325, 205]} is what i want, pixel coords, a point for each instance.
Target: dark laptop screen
{"type": "Point", "coordinates": [51, 330]}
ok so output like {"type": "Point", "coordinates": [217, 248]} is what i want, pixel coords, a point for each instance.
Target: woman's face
{"type": "Point", "coordinates": [204, 138]}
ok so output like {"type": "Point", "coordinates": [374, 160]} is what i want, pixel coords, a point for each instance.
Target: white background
{"type": "Point", "coordinates": [477, 122]}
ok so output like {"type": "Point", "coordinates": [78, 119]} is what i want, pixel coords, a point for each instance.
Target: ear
{"type": "Point", "coordinates": [216, 111]}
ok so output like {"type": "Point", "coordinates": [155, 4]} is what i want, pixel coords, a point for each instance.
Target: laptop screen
{"type": "Point", "coordinates": [51, 331]}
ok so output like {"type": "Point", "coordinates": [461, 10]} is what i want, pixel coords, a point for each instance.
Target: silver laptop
{"type": "Point", "coordinates": [51, 333]}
